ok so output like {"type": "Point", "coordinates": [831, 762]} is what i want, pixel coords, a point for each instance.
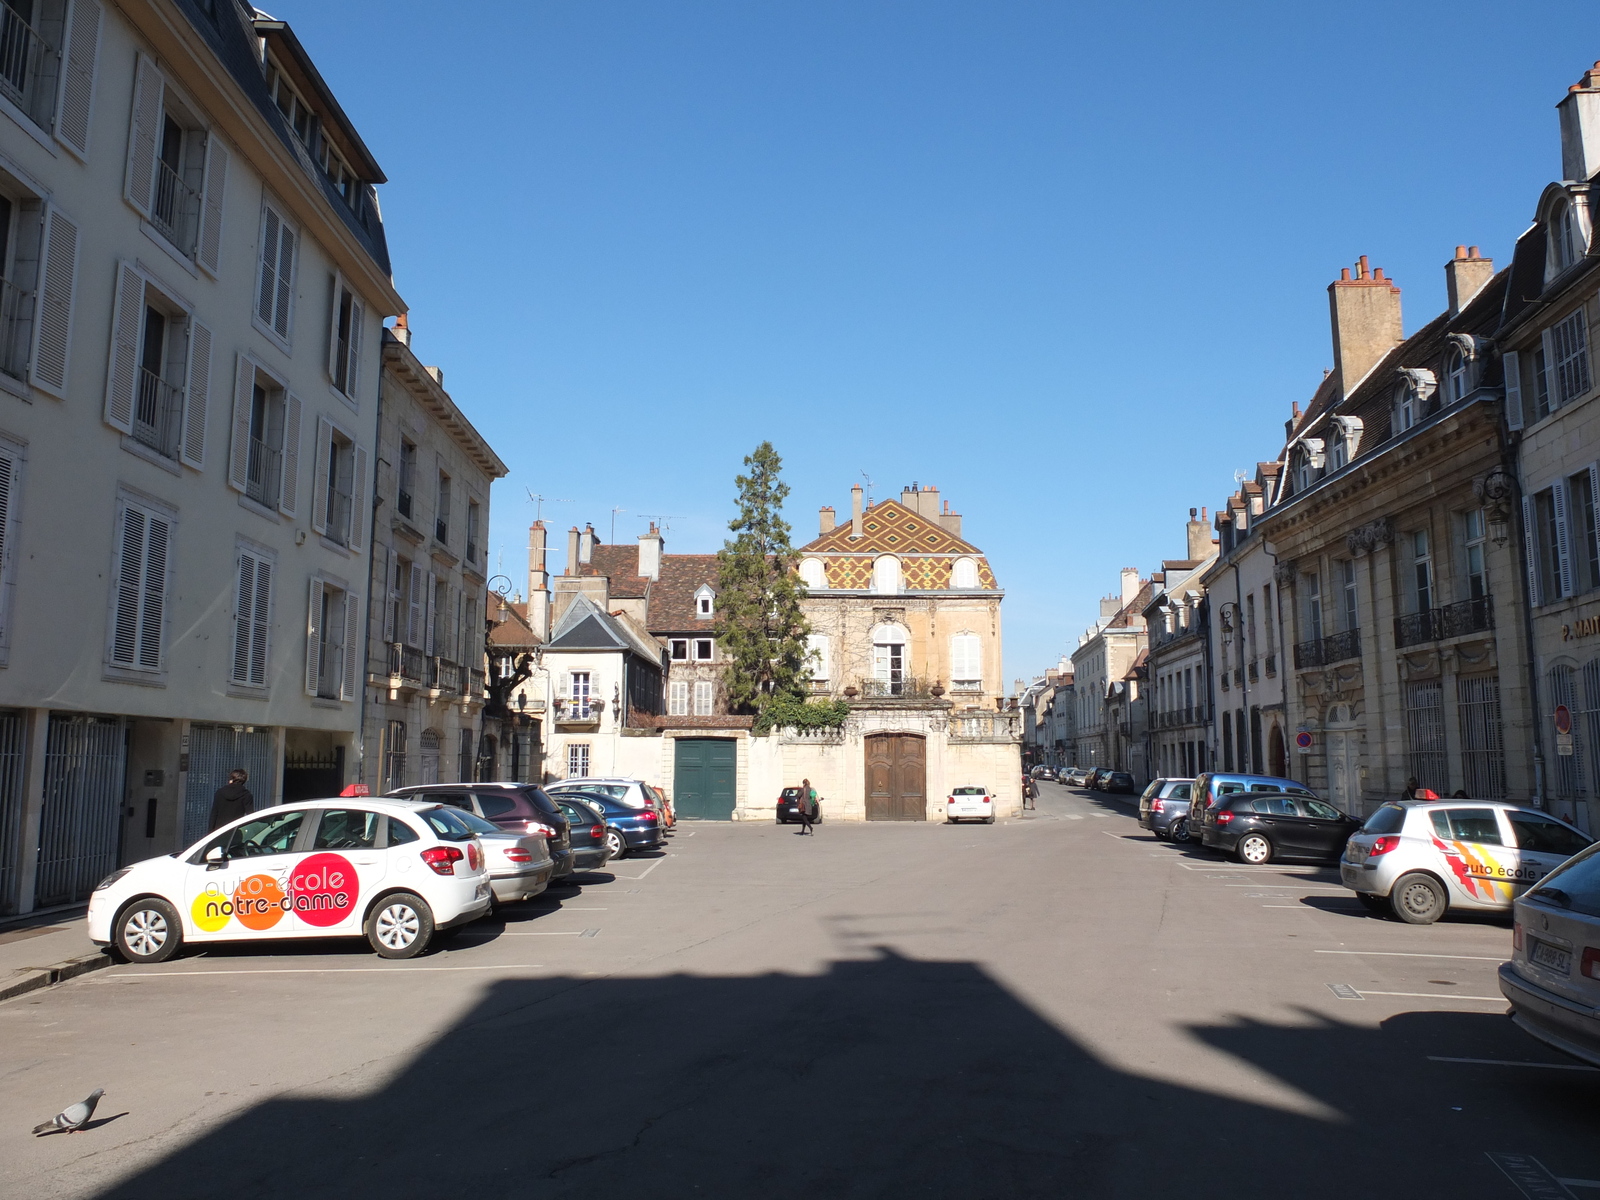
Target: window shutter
{"type": "Point", "coordinates": [353, 656]}
{"type": "Point", "coordinates": [358, 314]}
{"type": "Point", "coordinates": [239, 455]}
{"type": "Point", "coordinates": [333, 330]}
{"type": "Point", "coordinates": [360, 509]}
{"type": "Point", "coordinates": [313, 637]}
{"type": "Point", "coordinates": [139, 183]}
{"type": "Point", "coordinates": [680, 699]}
{"type": "Point", "coordinates": [1551, 381]}
{"type": "Point", "coordinates": [289, 488]}
{"type": "Point", "coordinates": [281, 317]}
{"type": "Point", "coordinates": [197, 395]}
{"type": "Point", "coordinates": [7, 470]}
{"type": "Point", "coordinates": [53, 327]}
{"type": "Point", "coordinates": [1511, 364]}
{"type": "Point", "coordinates": [431, 616]}
{"type": "Point", "coordinates": [208, 249]}
{"type": "Point", "coordinates": [319, 478]}
{"type": "Point", "coordinates": [261, 623]}
{"type": "Point", "coordinates": [1558, 501]}
{"type": "Point", "coordinates": [702, 698]}
{"type": "Point", "coordinates": [267, 294]}
{"type": "Point", "coordinates": [1530, 542]}
{"type": "Point", "coordinates": [385, 576]}
{"type": "Point", "coordinates": [77, 84]}
{"type": "Point", "coordinates": [130, 561]}
{"type": "Point", "coordinates": [127, 318]}
{"type": "Point", "coordinates": [416, 607]}
{"type": "Point", "coordinates": [243, 617]}
{"type": "Point", "coordinates": [157, 536]}
{"type": "Point", "coordinates": [1594, 499]}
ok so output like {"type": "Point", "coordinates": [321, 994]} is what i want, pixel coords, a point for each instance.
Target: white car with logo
{"type": "Point", "coordinates": [394, 871]}
{"type": "Point", "coordinates": [969, 804]}
{"type": "Point", "coordinates": [1419, 860]}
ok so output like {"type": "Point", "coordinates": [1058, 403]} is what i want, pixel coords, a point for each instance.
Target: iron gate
{"type": "Point", "coordinates": [1425, 734]}
{"type": "Point", "coordinates": [1483, 757]}
{"type": "Point", "coordinates": [80, 826]}
{"type": "Point", "coordinates": [12, 735]}
{"type": "Point", "coordinates": [214, 750]}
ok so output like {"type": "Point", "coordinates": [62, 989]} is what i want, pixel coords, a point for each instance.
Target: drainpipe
{"type": "Point", "coordinates": [1514, 518]}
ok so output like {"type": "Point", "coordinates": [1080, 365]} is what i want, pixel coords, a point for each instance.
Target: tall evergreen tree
{"type": "Point", "coordinates": [759, 623]}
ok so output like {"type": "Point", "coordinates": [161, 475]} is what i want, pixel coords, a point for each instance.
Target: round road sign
{"type": "Point", "coordinates": [1563, 719]}
{"type": "Point", "coordinates": [1303, 740]}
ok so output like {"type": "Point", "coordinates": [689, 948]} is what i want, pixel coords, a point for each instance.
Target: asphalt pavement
{"type": "Point", "coordinates": [1056, 1005]}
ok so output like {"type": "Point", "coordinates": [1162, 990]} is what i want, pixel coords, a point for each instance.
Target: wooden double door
{"type": "Point", "coordinates": [897, 777]}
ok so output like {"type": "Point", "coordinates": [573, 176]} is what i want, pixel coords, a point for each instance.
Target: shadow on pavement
{"type": "Point", "coordinates": [887, 1077]}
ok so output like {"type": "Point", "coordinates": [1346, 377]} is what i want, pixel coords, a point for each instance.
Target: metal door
{"type": "Point", "coordinates": [705, 778]}
{"type": "Point", "coordinates": [85, 764]}
{"type": "Point", "coordinates": [214, 750]}
{"type": "Point", "coordinates": [896, 778]}
{"type": "Point", "coordinates": [12, 735]}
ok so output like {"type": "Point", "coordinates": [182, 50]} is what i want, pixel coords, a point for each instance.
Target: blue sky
{"type": "Point", "coordinates": [1066, 261]}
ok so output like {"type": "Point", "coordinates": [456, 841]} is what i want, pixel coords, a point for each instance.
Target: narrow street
{"type": "Point", "coordinates": [1055, 1005]}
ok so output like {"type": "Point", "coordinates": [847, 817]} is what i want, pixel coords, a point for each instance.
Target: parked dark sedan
{"type": "Point", "coordinates": [588, 832]}
{"type": "Point", "coordinates": [1096, 780]}
{"type": "Point", "coordinates": [627, 828]}
{"type": "Point", "coordinates": [520, 807]}
{"type": "Point", "coordinates": [1118, 781]}
{"type": "Point", "coordinates": [1257, 827]}
{"type": "Point", "coordinates": [789, 807]}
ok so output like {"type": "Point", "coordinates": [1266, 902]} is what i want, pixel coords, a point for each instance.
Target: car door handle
{"type": "Point", "coordinates": [365, 862]}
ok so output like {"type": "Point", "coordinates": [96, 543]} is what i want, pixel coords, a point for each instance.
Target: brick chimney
{"type": "Point", "coordinates": [586, 541]}
{"type": "Point", "coordinates": [402, 330]}
{"type": "Point", "coordinates": [573, 537]}
{"type": "Point", "coordinates": [1465, 276]}
{"type": "Point", "coordinates": [950, 520]}
{"type": "Point", "coordinates": [855, 511]}
{"type": "Point", "coordinates": [1580, 127]}
{"type": "Point", "coordinates": [825, 518]}
{"type": "Point", "coordinates": [650, 553]}
{"type": "Point", "coordinates": [1365, 311]}
{"type": "Point", "coordinates": [538, 582]}
{"type": "Point", "coordinates": [1199, 536]}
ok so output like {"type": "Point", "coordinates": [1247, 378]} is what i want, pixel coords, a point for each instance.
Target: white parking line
{"type": "Point", "coordinates": [542, 933]}
{"type": "Point", "coordinates": [646, 871]}
{"type": "Point", "coordinates": [1500, 1062]}
{"type": "Point", "coordinates": [1282, 906]}
{"type": "Point", "coordinates": [1438, 996]}
{"type": "Point", "coordinates": [1412, 954]}
{"type": "Point", "coordinates": [1281, 886]}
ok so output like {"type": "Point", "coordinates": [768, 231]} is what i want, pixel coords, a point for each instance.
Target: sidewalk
{"type": "Point", "coordinates": [37, 954]}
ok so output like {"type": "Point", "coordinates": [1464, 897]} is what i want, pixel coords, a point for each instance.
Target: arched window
{"type": "Point", "coordinates": [1457, 374]}
{"type": "Point", "coordinates": [891, 659]}
{"type": "Point", "coordinates": [966, 662]}
{"type": "Point", "coordinates": [965, 573]}
{"type": "Point", "coordinates": [812, 573]}
{"type": "Point", "coordinates": [1565, 243]}
{"type": "Point", "coordinates": [886, 576]}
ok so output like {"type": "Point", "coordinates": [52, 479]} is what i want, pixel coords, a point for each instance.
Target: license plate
{"type": "Point", "coordinates": [1354, 853]}
{"type": "Point", "coordinates": [1553, 958]}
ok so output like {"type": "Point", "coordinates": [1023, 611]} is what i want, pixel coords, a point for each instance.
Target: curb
{"type": "Point", "coordinates": [43, 977]}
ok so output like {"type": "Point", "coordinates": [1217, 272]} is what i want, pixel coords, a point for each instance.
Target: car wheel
{"type": "Point", "coordinates": [1417, 899]}
{"type": "Point", "coordinates": [1255, 849]}
{"type": "Point", "coordinates": [1178, 831]}
{"type": "Point", "coordinates": [1372, 902]}
{"type": "Point", "coordinates": [615, 844]}
{"type": "Point", "coordinates": [989, 820]}
{"type": "Point", "coordinates": [400, 926]}
{"type": "Point", "coordinates": [148, 931]}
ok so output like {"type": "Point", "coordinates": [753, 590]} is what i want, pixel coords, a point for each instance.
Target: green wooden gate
{"type": "Point", "coordinates": [704, 779]}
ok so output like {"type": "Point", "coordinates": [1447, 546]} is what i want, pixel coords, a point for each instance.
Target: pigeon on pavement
{"type": "Point", "coordinates": [74, 1116]}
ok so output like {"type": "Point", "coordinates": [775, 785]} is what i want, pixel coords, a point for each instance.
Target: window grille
{"type": "Point", "coordinates": [1425, 734]}
{"type": "Point", "coordinates": [1483, 757]}
{"type": "Point", "coordinates": [1566, 770]}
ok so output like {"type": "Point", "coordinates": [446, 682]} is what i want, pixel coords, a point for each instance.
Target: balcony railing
{"type": "Point", "coordinates": [25, 58]}
{"type": "Point", "coordinates": [475, 683]}
{"type": "Point", "coordinates": [407, 662]}
{"type": "Point", "coordinates": [339, 504]}
{"type": "Point", "coordinates": [907, 687]}
{"type": "Point", "coordinates": [444, 675]}
{"type": "Point", "coordinates": [16, 322]}
{"type": "Point", "coordinates": [1320, 652]}
{"type": "Point", "coordinates": [1453, 620]}
{"type": "Point", "coordinates": [1270, 665]}
{"type": "Point", "coordinates": [402, 504]}
{"type": "Point", "coordinates": [262, 473]}
{"type": "Point", "coordinates": [441, 530]}
{"type": "Point", "coordinates": [176, 210]}
{"type": "Point", "coordinates": [156, 413]}
{"type": "Point", "coordinates": [1255, 671]}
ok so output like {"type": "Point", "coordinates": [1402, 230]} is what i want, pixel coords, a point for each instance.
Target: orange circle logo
{"type": "Point", "coordinates": [258, 902]}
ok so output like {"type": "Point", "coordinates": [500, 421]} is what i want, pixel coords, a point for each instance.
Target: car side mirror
{"type": "Point", "coordinates": [215, 858]}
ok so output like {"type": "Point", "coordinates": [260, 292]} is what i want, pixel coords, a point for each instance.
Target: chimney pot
{"type": "Point", "coordinates": [573, 537]}
{"type": "Point", "coordinates": [825, 518]}
{"type": "Point", "coordinates": [1461, 252]}
{"type": "Point", "coordinates": [1579, 114]}
{"type": "Point", "coordinates": [1362, 263]}
{"type": "Point", "coordinates": [1472, 252]}
{"type": "Point", "coordinates": [1465, 276]}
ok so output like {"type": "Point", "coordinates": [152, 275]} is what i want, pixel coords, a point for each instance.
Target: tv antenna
{"type": "Point", "coordinates": [540, 501]}
{"type": "Point", "coordinates": [659, 520]}
{"type": "Point", "coordinates": [1240, 476]}
{"type": "Point", "coordinates": [868, 478]}
{"type": "Point", "coordinates": [614, 513]}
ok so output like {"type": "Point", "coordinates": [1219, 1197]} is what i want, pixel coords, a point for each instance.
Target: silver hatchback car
{"type": "Point", "coordinates": [1164, 804]}
{"type": "Point", "coordinates": [1421, 860]}
{"type": "Point", "coordinates": [1553, 978]}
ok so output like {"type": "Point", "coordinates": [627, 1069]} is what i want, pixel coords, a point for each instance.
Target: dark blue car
{"type": "Point", "coordinates": [627, 828]}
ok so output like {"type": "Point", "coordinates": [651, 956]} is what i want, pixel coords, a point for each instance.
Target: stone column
{"type": "Point", "coordinates": [1385, 748]}
{"type": "Point", "coordinates": [27, 873]}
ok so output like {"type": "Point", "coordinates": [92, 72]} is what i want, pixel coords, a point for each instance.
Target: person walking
{"type": "Point", "coordinates": [808, 808]}
{"type": "Point", "coordinates": [1030, 792]}
{"type": "Point", "coordinates": [232, 800]}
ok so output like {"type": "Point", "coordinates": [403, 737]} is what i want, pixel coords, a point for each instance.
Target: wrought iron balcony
{"type": "Point", "coordinates": [407, 663]}
{"type": "Point", "coordinates": [176, 210]}
{"type": "Point", "coordinates": [16, 322]}
{"type": "Point", "coordinates": [444, 675]}
{"type": "Point", "coordinates": [262, 473]}
{"type": "Point", "coordinates": [906, 687]}
{"type": "Point", "coordinates": [156, 412]}
{"type": "Point", "coordinates": [1255, 671]}
{"type": "Point", "coordinates": [1453, 620]}
{"type": "Point", "coordinates": [24, 59]}
{"type": "Point", "coordinates": [1321, 652]}
{"type": "Point", "coordinates": [1270, 665]}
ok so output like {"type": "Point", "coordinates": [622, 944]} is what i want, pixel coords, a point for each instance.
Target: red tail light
{"type": "Point", "coordinates": [1155, 806]}
{"type": "Point", "coordinates": [474, 856]}
{"type": "Point", "coordinates": [1590, 966]}
{"type": "Point", "coordinates": [442, 859]}
{"type": "Point", "coordinates": [518, 854]}
{"type": "Point", "coordinates": [597, 832]}
{"type": "Point", "coordinates": [1383, 845]}
{"type": "Point", "coordinates": [648, 817]}
{"type": "Point", "coordinates": [539, 830]}
{"type": "Point", "coordinates": [1516, 935]}
{"type": "Point", "coordinates": [1224, 817]}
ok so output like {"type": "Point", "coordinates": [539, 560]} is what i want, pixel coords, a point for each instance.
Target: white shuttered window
{"type": "Point", "coordinates": [252, 617]}
{"type": "Point", "coordinates": [704, 691]}
{"type": "Point", "coordinates": [966, 662]}
{"type": "Point", "coordinates": [275, 290]}
{"type": "Point", "coordinates": [139, 583]}
{"type": "Point", "coordinates": [678, 698]}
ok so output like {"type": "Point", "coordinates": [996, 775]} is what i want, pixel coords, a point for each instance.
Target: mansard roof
{"type": "Point", "coordinates": [889, 527]}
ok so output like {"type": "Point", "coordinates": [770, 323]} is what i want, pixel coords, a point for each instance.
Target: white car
{"type": "Point", "coordinates": [394, 871]}
{"type": "Point", "coordinates": [969, 804]}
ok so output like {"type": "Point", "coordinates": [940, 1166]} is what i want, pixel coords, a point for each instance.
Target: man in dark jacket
{"type": "Point", "coordinates": [232, 800]}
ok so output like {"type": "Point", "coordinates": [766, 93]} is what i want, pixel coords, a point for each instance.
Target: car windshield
{"type": "Point", "coordinates": [593, 799]}
{"type": "Point", "coordinates": [536, 796]}
{"type": "Point", "coordinates": [1387, 819]}
{"type": "Point", "coordinates": [791, 793]}
{"type": "Point", "coordinates": [615, 790]}
{"type": "Point", "coordinates": [1574, 885]}
{"type": "Point", "coordinates": [448, 824]}
{"type": "Point", "coordinates": [476, 823]}
{"type": "Point", "coordinates": [969, 791]}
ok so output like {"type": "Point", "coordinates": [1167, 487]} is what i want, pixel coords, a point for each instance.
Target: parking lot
{"type": "Point", "coordinates": [1056, 1005]}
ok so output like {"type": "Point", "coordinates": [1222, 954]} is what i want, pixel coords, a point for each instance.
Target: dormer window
{"type": "Point", "coordinates": [1417, 386]}
{"type": "Point", "coordinates": [1345, 441]}
{"type": "Point", "coordinates": [1566, 240]}
{"type": "Point", "coordinates": [1309, 461]}
{"type": "Point", "coordinates": [704, 603]}
{"type": "Point", "coordinates": [812, 573]}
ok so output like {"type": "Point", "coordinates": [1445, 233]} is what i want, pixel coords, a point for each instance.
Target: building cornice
{"type": "Point", "coordinates": [405, 369]}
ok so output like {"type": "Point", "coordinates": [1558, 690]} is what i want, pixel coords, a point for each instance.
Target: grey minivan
{"type": "Point", "coordinates": [1165, 802]}
{"type": "Point", "coordinates": [1213, 785]}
